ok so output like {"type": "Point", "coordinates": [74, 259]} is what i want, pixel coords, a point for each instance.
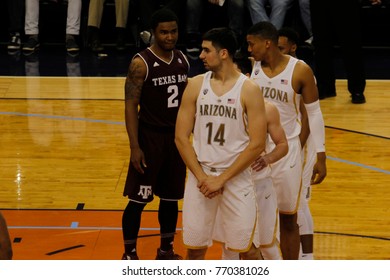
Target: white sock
{"type": "Point", "coordinates": [229, 255]}
{"type": "Point", "coordinates": [307, 257]}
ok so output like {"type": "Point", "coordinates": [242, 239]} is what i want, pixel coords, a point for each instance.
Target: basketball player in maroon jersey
{"type": "Point", "coordinates": [155, 83]}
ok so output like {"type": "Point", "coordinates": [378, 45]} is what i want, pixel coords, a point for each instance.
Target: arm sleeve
{"type": "Point", "coordinates": [316, 124]}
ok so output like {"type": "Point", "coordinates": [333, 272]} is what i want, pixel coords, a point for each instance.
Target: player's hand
{"type": "Point", "coordinates": [211, 184]}
{"type": "Point", "coordinates": [260, 163]}
{"type": "Point", "coordinates": [319, 172]}
{"type": "Point", "coordinates": [137, 159]}
{"type": "Point", "coordinates": [214, 194]}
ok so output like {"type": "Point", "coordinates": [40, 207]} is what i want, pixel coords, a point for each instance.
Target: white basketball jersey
{"type": "Point", "coordinates": [279, 91]}
{"type": "Point", "coordinates": [220, 127]}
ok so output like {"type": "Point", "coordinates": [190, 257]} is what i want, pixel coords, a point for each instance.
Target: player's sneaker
{"type": "Point", "coordinates": [129, 257]}
{"type": "Point", "coordinates": [169, 255]}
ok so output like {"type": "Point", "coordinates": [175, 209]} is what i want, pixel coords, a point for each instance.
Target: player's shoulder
{"type": "Point", "coordinates": [198, 79]}
{"type": "Point", "coordinates": [302, 66]}
{"type": "Point", "coordinates": [250, 85]}
{"type": "Point", "coordinates": [194, 84]}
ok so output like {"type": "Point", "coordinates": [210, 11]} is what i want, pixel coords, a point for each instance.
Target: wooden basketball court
{"type": "Point", "coordinates": [64, 156]}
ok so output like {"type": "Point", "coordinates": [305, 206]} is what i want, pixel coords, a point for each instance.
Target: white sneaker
{"type": "Point", "coordinates": [310, 40]}
{"type": "Point", "coordinates": [146, 37]}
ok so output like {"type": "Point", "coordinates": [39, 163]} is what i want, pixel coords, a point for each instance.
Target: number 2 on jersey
{"type": "Point", "coordinates": [219, 136]}
{"type": "Point", "coordinates": [172, 101]}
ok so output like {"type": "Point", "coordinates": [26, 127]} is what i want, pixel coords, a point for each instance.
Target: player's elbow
{"type": "Point", "coordinates": [257, 147]}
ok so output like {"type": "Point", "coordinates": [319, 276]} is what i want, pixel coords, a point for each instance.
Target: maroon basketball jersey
{"type": "Point", "coordinates": [163, 88]}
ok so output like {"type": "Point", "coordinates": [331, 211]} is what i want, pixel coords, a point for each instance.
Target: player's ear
{"type": "Point", "coordinates": [224, 53]}
{"type": "Point", "coordinates": [294, 48]}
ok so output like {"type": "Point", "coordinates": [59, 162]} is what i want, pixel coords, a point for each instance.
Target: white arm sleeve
{"type": "Point", "coordinates": [316, 124]}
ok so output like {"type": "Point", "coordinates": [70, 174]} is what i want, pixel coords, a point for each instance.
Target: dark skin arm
{"type": "Point", "coordinates": [133, 89]}
{"type": "Point", "coordinates": [5, 242]}
{"type": "Point", "coordinates": [305, 130]}
{"type": "Point", "coordinates": [305, 82]}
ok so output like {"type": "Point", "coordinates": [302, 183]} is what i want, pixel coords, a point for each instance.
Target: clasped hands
{"type": "Point", "coordinates": [211, 186]}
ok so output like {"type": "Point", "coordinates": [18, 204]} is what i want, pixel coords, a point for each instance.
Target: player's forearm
{"type": "Point", "coordinates": [189, 157]}
{"type": "Point", "coordinates": [316, 125]}
{"type": "Point", "coordinates": [280, 150]}
{"type": "Point", "coordinates": [243, 161]}
{"type": "Point", "coordinates": [321, 157]}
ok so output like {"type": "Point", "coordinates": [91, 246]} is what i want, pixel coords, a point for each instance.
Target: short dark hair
{"type": "Point", "coordinates": [222, 38]}
{"type": "Point", "coordinates": [243, 62]}
{"type": "Point", "coordinates": [163, 15]}
{"type": "Point", "coordinates": [265, 30]}
{"type": "Point", "coordinates": [290, 34]}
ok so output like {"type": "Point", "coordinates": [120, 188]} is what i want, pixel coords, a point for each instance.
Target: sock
{"type": "Point", "coordinates": [166, 243]}
{"type": "Point", "coordinates": [229, 255]}
{"type": "Point", "coordinates": [130, 247]}
{"type": "Point", "coordinates": [306, 257]}
{"type": "Point", "coordinates": [131, 222]}
{"type": "Point", "coordinates": [167, 217]}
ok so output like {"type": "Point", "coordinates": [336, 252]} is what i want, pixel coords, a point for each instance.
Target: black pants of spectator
{"type": "Point", "coordinates": [16, 11]}
{"type": "Point", "coordinates": [337, 21]}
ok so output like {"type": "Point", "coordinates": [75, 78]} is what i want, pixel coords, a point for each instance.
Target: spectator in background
{"type": "Point", "coordinates": [339, 20]}
{"type": "Point", "coordinates": [31, 26]}
{"type": "Point", "coordinates": [95, 14]}
{"type": "Point", "coordinates": [16, 15]}
{"type": "Point", "coordinates": [258, 11]}
{"type": "Point", "coordinates": [304, 8]}
{"type": "Point", "coordinates": [194, 12]}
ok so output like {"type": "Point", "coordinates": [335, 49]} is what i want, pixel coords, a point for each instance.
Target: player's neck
{"type": "Point", "coordinates": [165, 55]}
{"type": "Point", "coordinates": [275, 60]}
{"type": "Point", "coordinates": [226, 73]}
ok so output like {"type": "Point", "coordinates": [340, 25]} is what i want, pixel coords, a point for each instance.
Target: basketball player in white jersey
{"type": "Point", "coordinates": [287, 43]}
{"type": "Point", "coordinates": [268, 220]}
{"type": "Point", "coordinates": [261, 173]}
{"type": "Point", "coordinates": [224, 111]}
{"type": "Point", "coordinates": [284, 81]}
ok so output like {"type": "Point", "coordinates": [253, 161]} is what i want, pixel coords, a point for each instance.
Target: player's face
{"type": "Point", "coordinates": [257, 46]}
{"type": "Point", "coordinates": [284, 45]}
{"type": "Point", "coordinates": [210, 56]}
{"type": "Point", "coordinates": [166, 35]}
